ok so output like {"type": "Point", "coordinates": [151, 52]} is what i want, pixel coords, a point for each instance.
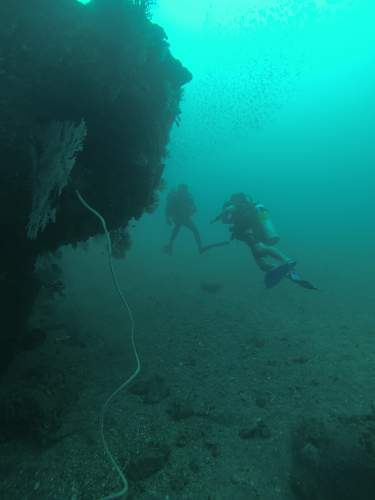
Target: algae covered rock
{"type": "Point", "coordinates": [334, 458]}
{"type": "Point", "coordinates": [104, 65]}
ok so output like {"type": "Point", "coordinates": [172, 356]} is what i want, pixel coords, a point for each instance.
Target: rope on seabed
{"type": "Point", "coordinates": [111, 458]}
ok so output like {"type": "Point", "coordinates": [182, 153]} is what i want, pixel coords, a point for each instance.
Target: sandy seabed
{"type": "Point", "coordinates": [226, 377]}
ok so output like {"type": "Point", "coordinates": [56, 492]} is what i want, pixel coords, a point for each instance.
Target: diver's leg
{"type": "Point", "coordinates": [274, 273]}
{"type": "Point", "coordinates": [261, 260]}
{"type": "Point", "coordinates": [273, 263]}
{"type": "Point", "coordinates": [273, 253]}
{"type": "Point", "coordinates": [174, 234]}
{"type": "Point", "coordinates": [257, 251]}
{"type": "Point", "coordinates": [262, 263]}
{"type": "Point", "coordinates": [291, 274]}
{"type": "Point", "coordinates": [190, 225]}
{"type": "Point", "coordinates": [169, 248]}
{"type": "Point", "coordinates": [285, 268]}
{"type": "Point", "coordinates": [264, 255]}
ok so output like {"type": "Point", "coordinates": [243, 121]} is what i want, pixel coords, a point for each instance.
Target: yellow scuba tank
{"type": "Point", "coordinates": [266, 231]}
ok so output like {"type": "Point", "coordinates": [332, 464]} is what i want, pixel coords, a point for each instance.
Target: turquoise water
{"type": "Point", "coordinates": [281, 107]}
{"type": "Point", "coordinates": [282, 104]}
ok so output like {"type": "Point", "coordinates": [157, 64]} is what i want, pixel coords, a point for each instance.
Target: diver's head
{"type": "Point", "coordinates": [183, 188]}
{"type": "Point", "coordinates": [239, 199]}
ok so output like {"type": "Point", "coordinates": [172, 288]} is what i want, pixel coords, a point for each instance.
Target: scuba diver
{"type": "Point", "coordinates": [179, 210]}
{"type": "Point", "coordinates": [250, 222]}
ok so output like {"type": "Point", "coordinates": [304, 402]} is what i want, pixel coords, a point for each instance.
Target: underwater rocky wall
{"type": "Point", "coordinates": [104, 65]}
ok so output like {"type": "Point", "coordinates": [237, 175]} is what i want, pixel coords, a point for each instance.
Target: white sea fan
{"type": "Point", "coordinates": [54, 152]}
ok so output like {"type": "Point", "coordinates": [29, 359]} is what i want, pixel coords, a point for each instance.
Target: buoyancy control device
{"type": "Point", "coordinates": [265, 230]}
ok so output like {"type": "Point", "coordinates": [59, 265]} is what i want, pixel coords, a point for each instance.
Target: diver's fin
{"type": "Point", "coordinates": [296, 278]}
{"type": "Point", "coordinates": [275, 275]}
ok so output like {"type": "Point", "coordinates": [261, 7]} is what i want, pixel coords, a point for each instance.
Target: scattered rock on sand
{"type": "Point", "coordinates": [334, 458]}
{"type": "Point", "coordinates": [150, 462]}
{"type": "Point", "coordinates": [180, 410]}
{"type": "Point", "coordinates": [258, 430]}
{"type": "Point", "coordinates": [210, 287]}
{"type": "Point", "coordinates": [152, 390]}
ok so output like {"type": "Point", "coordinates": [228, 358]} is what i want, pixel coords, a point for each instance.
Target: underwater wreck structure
{"type": "Point", "coordinates": [88, 97]}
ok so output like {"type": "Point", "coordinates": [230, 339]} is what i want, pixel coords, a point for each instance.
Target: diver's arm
{"type": "Point", "coordinates": [168, 210]}
{"type": "Point", "coordinates": [218, 217]}
{"type": "Point", "coordinates": [191, 205]}
{"type": "Point", "coordinates": [168, 216]}
{"type": "Point", "coordinates": [225, 216]}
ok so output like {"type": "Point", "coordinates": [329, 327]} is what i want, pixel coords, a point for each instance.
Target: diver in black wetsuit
{"type": "Point", "coordinates": [179, 211]}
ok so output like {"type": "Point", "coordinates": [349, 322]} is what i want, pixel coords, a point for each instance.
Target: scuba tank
{"type": "Point", "coordinates": [265, 230]}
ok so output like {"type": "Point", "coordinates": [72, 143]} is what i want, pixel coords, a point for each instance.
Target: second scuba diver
{"type": "Point", "coordinates": [250, 223]}
{"type": "Point", "coordinates": [179, 211]}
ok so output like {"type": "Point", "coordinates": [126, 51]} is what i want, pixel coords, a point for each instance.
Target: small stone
{"type": "Point", "coordinates": [152, 390]}
{"type": "Point", "coordinates": [213, 448]}
{"type": "Point", "coordinates": [261, 401]}
{"type": "Point", "coordinates": [180, 410]}
{"type": "Point", "coordinates": [194, 466]}
{"type": "Point", "coordinates": [150, 463]}
{"type": "Point", "coordinates": [259, 430]}
{"type": "Point", "coordinates": [178, 483]}
{"type": "Point", "coordinates": [259, 343]}
{"type": "Point", "coordinates": [182, 440]}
